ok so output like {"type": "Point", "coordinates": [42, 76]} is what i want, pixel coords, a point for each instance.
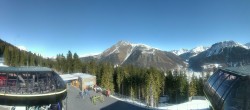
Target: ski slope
{"type": "Point", "coordinates": [191, 105]}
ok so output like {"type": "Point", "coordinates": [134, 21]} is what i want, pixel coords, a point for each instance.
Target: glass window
{"type": "Point", "coordinates": [231, 85]}
{"type": "Point", "coordinates": [3, 79]}
{"type": "Point", "coordinates": [220, 80]}
{"type": "Point", "coordinates": [225, 87]}
{"type": "Point", "coordinates": [212, 82]}
{"type": "Point", "coordinates": [226, 84]}
{"type": "Point", "coordinates": [213, 76]}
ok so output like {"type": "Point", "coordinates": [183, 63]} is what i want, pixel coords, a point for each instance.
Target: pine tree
{"type": "Point", "coordinates": [119, 78]}
{"type": "Point", "coordinates": [76, 63]}
{"type": "Point", "coordinates": [64, 64]}
{"type": "Point", "coordinates": [7, 56]}
{"type": "Point", "coordinates": [69, 62]}
{"type": "Point", "coordinates": [107, 76]}
{"type": "Point", "coordinates": [192, 86]}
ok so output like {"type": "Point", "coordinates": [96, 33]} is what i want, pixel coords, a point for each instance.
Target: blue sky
{"type": "Point", "coordinates": [50, 27]}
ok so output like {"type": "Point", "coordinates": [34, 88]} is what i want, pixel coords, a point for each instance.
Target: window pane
{"type": "Point", "coordinates": [225, 87]}
{"type": "Point", "coordinates": [220, 80]}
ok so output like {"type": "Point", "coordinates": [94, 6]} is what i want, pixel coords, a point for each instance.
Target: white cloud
{"type": "Point", "coordinates": [21, 47]}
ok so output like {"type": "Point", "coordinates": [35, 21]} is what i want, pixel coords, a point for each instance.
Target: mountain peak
{"type": "Point", "coordinates": [122, 50]}
{"type": "Point", "coordinates": [229, 43]}
{"type": "Point", "coordinates": [123, 42]}
{"type": "Point", "coordinates": [134, 45]}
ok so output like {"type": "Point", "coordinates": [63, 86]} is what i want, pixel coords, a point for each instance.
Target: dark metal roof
{"type": "Point", "coordinates": [243, 70]}
{"type": "Point", "coordinates": [25, 69]}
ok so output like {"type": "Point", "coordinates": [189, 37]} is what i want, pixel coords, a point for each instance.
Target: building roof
{"type": "Point", "coordinates": [243, 70]}
{"type": "Point", "coordinates": [68, 77]}
{"type": "Point", "coordinates": [83, 75]}
{"type": "Point", "coordinates": [74, 76]}
{"type": "Point", "coordinates": [25, 69]}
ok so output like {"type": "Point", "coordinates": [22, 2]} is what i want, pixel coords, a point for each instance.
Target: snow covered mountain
{"type": "Point", "coordinates": [121, 51]}
{"type": "Point", "coordinates": [218, 47]}
{"type": "Point", "coordinates": [179, 52]}
{"type": "Point", "coordinates": [198, 50]}
{"type": "Point", "coordinates": [226, 53]}
{"type": "Point", "coordinates": [186, 54]}
{"type": "Point", "coordinates": [248, 45]}
{"type": "Point", "coordinates": [126, 53]}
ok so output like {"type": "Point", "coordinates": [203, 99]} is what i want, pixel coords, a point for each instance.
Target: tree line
{"type": "Point", "coordinates": [146, 84]}
{"type": "Point", "coordinates": [16, 57]}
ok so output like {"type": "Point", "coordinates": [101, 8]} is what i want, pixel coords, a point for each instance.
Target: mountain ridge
{"type": "Point", "coordinates": [126, 53]}
{"type": "Point", "coordinates": [224, 54]}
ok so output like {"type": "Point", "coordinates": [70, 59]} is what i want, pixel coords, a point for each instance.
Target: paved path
{"type": "Point", "coordinates": [74, 102]}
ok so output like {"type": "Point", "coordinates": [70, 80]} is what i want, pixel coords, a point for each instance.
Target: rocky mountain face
{"type": "Point", "coordinates": [125, 53]}
{"type": "Point", "coordinates": [221, 54]}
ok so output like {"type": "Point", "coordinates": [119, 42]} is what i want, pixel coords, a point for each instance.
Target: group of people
{"type": "Point", "coordinates": [96, 89]}
{"type": "Point", "coordinates": [84, 92]}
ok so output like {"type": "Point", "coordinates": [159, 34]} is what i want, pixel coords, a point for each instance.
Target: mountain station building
{"type": "Point", "coordinates": [79, 80]}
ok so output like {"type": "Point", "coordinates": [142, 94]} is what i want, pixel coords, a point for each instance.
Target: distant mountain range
{"type": "Point", "coordinates": [226, 53]}
{"type": "Point", "coordinates": [193, 52]}
{"type": "Point", "coordinates": [221, 54]}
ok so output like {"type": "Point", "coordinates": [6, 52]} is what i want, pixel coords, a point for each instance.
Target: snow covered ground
{"type": "Point", "coordinates": [2, 65]}
{"type": "Point", "coordinates": [191, 105]}
{"type": "Point", "coordinates": [129, 101]}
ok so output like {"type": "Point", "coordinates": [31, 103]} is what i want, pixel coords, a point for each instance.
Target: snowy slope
{"type": "Point", "coordinates": [191, 105]}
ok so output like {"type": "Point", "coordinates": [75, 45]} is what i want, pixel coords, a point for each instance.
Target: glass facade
{"type": "Point", "coordinates": [30, 86]}
{"type": "Point", "coordinates": [219, 86]}
{"type": "Point", "coordinates": [229, 88]}
{"type": "Point", "coordinates": [30, 83]}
